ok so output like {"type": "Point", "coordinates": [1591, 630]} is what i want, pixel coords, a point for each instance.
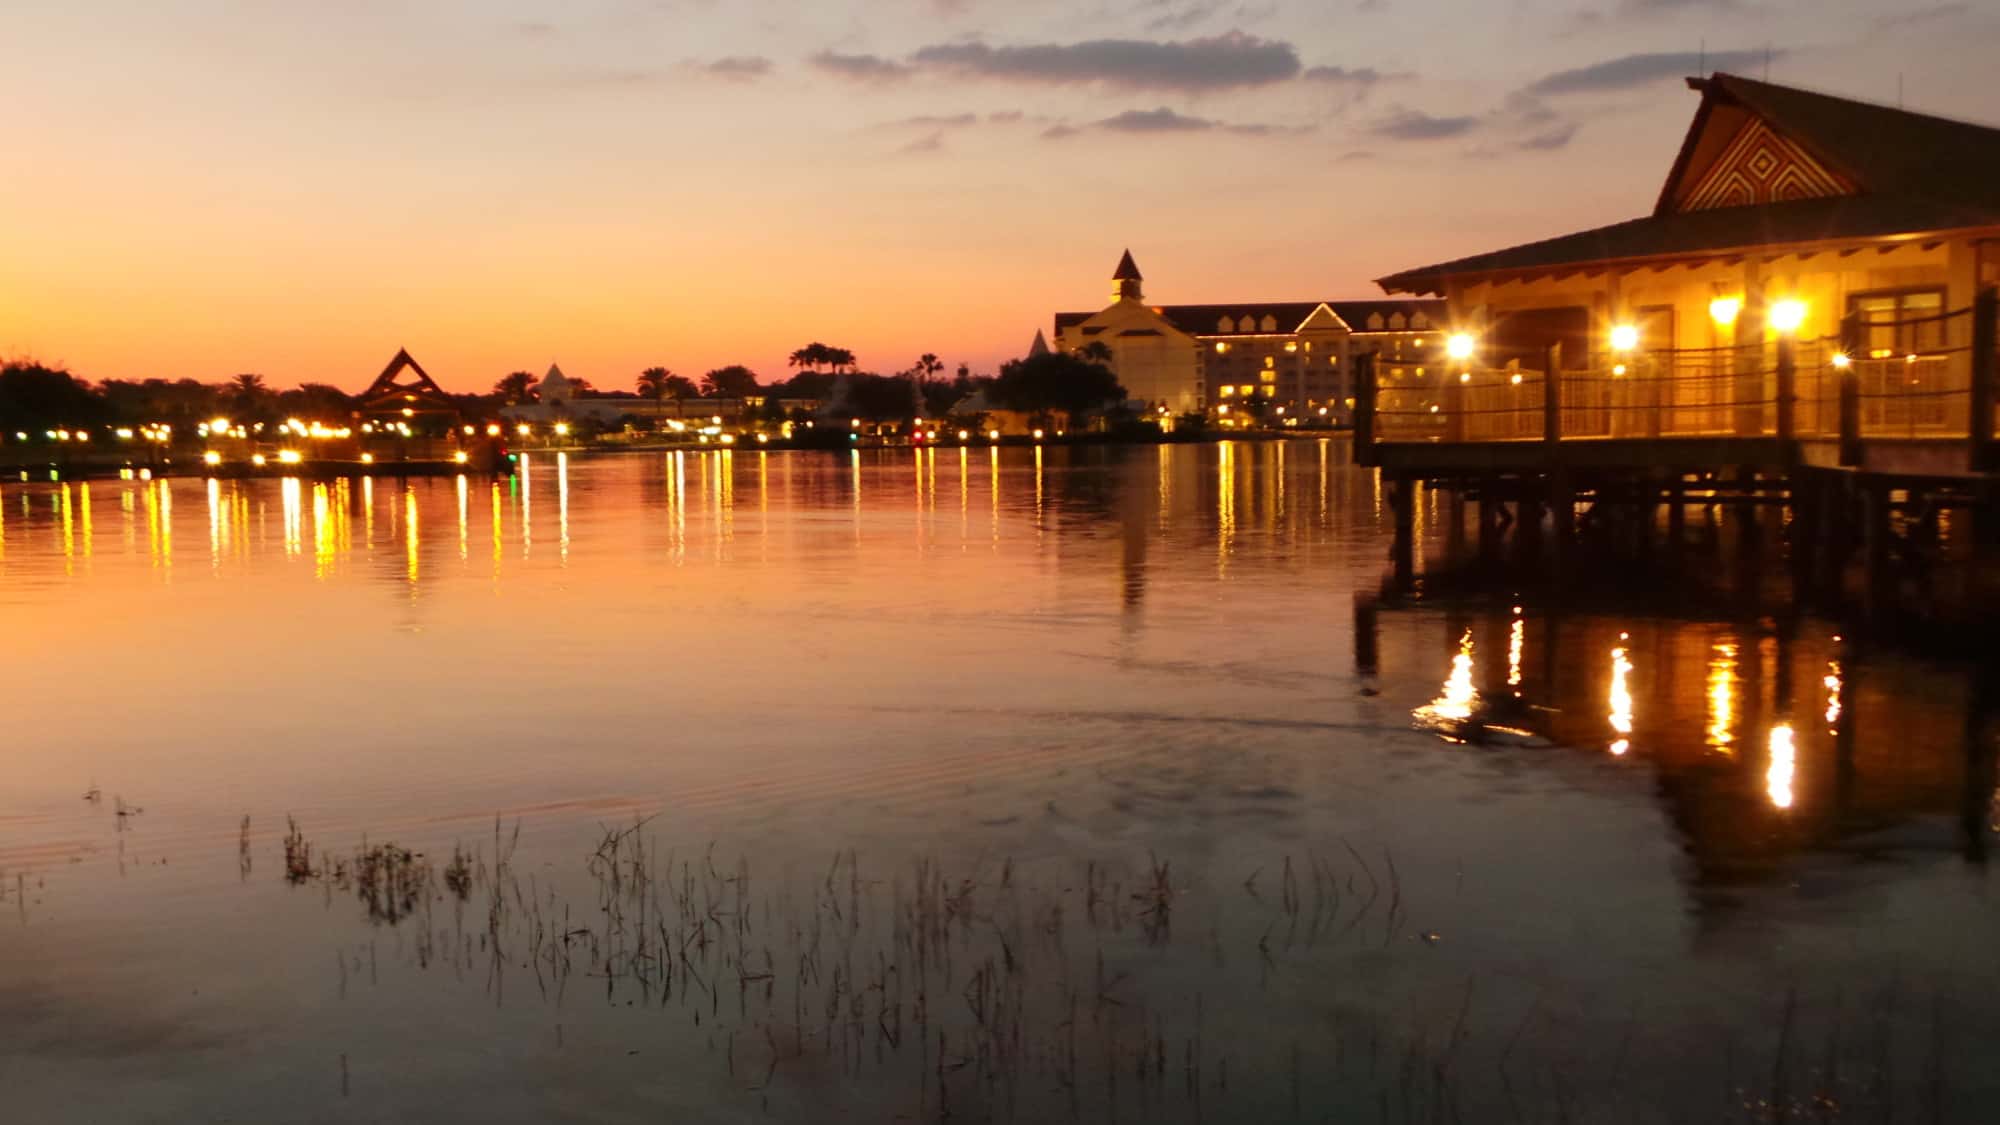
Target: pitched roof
{"type": "Point", "coordinates": [1913, 174]}
{"type": "Point", "coordinates": [1883, 150]}
{"type": "Point", "coordinates": [1128, 270]}
{"type": "Point", "coordinates": [1286, 316]}
{"type": "Point", "coordinates": [385, 387]}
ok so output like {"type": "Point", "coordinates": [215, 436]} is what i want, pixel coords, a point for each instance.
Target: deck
{"type": "Point", "coordinates": [1888, 417]}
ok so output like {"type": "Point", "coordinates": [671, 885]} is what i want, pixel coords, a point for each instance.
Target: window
{"type": "Point", "coordinates": [1886, 322]}
{"type": "Point", "coordinates": [1269, 376]}
{"type": "Point", "coordinates": [1228, 391]}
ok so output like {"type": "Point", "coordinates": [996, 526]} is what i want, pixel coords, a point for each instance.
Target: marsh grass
{"type": "Point", "coordinates": [1095, 992]}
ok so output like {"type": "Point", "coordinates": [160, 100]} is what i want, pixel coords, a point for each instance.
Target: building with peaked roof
{"type": "Point", "coordinates": [1275, 356]}
{"type": "Point", "coordinates": [1821, 210]}
{"type": "Point", "coordinates": [414, 401]}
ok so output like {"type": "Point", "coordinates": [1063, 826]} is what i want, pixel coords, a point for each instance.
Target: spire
{"type": "Point", "coordinates": [1040, 347]}
{"type": "Point", "coordinates": [1128, 281]}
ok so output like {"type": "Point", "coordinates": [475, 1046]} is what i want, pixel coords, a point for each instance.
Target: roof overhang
{"type": "Point", "coordinates": [1437, 282]}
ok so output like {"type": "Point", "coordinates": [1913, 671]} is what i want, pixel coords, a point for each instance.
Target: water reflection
{"type": "Point", "coordinates": [1459, 698]}
{"type": "Point", "coordinates": [1783, 770]}
{"type": "Point", "coordinates": [1914, 749]}
{"type": "Point", "coordinates": [1621, 699]}
{"type": "Point", "coordinates": [1722, 697]}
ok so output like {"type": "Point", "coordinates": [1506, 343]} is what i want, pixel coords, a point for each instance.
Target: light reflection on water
{"type": "Point", "coordinates": [1126, 652]}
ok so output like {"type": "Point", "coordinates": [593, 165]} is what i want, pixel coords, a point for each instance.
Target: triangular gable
{"type": "Point", "coordinates": [1755, 165]}
{"type": "Point", "coordinates": [1323, 319]}
{"type": "Point", "coordinates": [386, 384]}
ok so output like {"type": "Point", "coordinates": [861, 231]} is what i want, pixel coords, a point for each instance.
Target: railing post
{"type": "Point", "coordinates": [1788, 386]}
{"type": "Point", "coordinates": [1552, 395]}
{"type": "Point", "coordinates": [1985, 358]}
{"type": "Point", "coordinates": [1454, 405]}
{"type": "Point", "coordinates": [1364, 410]}
{"type": "Point", "coordinates": [1649, 370]}
{"type": "Point", "coordinates": [1850, 393]}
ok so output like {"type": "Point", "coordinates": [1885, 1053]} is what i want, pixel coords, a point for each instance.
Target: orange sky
{"type": "Point", "coordinates": [613, 184]}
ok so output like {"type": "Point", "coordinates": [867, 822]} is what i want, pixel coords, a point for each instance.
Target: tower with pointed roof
{"type": "Point", "coordinates": [1287, 359]}
{"type": "Point", "coordinates": [1127, 283]}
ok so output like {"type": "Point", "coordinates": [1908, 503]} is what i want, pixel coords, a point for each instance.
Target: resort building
{"type": "Point", "coordinates": [558, 398]}
{"type": "Point", "coordinates": [1255, 358]}
{"type": "Point", "coordinates": [1860, 233]}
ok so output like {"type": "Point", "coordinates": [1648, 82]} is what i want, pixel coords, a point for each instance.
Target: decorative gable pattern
{"type": "Point", "coordinates": [1761, 166]}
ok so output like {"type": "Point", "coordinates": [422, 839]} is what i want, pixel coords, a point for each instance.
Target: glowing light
{"type": "Point", "coordinates": [1832, 683]}
{"type": "Point", "coordinates": [524, 429]}
{"type": "Point", "coordinates": [993, 435]}
{"type": "Point", "coordinates": [493, 429]}
{"type": "Point", "coordinates": [461, 457]}
{"type": "Point", "coordinates": [409, 413]}
{"type": "Point", "coordinates": [1621, 700]}
{"type": "Point", "coordinates": [1842, 361]}
{"type": "Point", "coordinates": [1514, 379]}
{"type": "Point", "coordinates": [763, 438]}
{"type": "Point", "coordinates": [289, 457]}
{"type": "Point", "coordinates": [368, 458]}
{"type": "Point", "coordinates": [1788, 316]}
{"type": "Point", "coordinates": [219, 425]}
{"type": "Point", "coordinates": [1725, 310]}
{"type": "Point", "coordinates": [1038, 433]}
{"type": "Point", "coordinates": [562, 429]}
{"type": "Point", "coordinates": [1459, 698]}
{"type": "Point", "coordinates": [1618, 370]}
{"type": "Point", "coordinates": [1721, 697]}
{"type": "Point", "coordinates": [1624, 337]}
{"type": "Point", "coordinates": [1784, 766]}
{"type": "Point", "coordinates": [212, 457]}
{"type": "Point", "coordinates": [1517, 638]}
{"type": "Point", "coordinates": [964, 434]}
{"type": "Point", "coordinates": [124, 434]}
{"type": "Point", "coordinates": [257, 459]}
{"type": "Point", "coordinates": [1460, 346]}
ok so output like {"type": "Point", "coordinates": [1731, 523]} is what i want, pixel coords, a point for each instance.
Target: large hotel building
{"type": "Point", "coordinates": [1278, 358]}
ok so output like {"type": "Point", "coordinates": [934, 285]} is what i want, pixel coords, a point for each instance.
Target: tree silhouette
{"type": "Point", "coordinates": [1097, 351]}
{"type": "Point", "coordinates": [1056, 382]}
{"type": "Point", "coordinates": [928, 365]}
{"type": "Point", "coordinates": [734, 381]}
{"type": "Point", "coordinates": [652, 382]}
{"type": "Point", "coordinates": [516, 388]}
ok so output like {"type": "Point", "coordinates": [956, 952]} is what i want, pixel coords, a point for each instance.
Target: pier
{"type": "Point", "coordinates": [1861, 453]}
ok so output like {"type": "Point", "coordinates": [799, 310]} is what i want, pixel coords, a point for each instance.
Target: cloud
{"type": "Point", "coordinates": [734, 68]}
{"type": "Point", "coordinates": [1342, 76]}
{"type": "Point", "coordinates": [1231, 61]}
{"type": "Point", "coordinates": [1415, 125]}
{"type": "Point", "coordinates": [1522, 123]}
{"type": "Point", "coordinates": [860, 68]}
{"type": "Point", "coordinates": [1633, 71]}
{"type": "Point", "coordinates": [1919, 17]}
{"type": "Point", "coordinates": [932, 141]}
{"type": "Point", "coordinates": [1162, 121]}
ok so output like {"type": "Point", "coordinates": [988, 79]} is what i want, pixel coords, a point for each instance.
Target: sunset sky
{"type": "Point", "coordinates": [198, 187]}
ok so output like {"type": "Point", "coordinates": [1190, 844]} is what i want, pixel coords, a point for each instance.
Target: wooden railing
{"type": "Point", "coordinates": [1791, 390]}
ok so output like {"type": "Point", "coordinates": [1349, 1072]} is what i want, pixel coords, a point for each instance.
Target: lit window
{"type": "Point", "coordinates": [1246, 390]}
{"type": "Point", "coordinates": [1292, 346]}
{"type": "Point", "coordinates": [1228, 391]}
{"type": "Point", "coordinates": [1221, 347]}
{"type": "Point", "coordinates": [1269, 376]}
{"type": "Point", "coordinates": [1270, 362]}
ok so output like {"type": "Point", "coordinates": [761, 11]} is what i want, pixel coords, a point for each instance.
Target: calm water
{"type": "Point", "coordinates": [989, 784]}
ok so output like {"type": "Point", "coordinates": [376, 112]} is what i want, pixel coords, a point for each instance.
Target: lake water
{"type": "Point", "coordinates": [980, 784]}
